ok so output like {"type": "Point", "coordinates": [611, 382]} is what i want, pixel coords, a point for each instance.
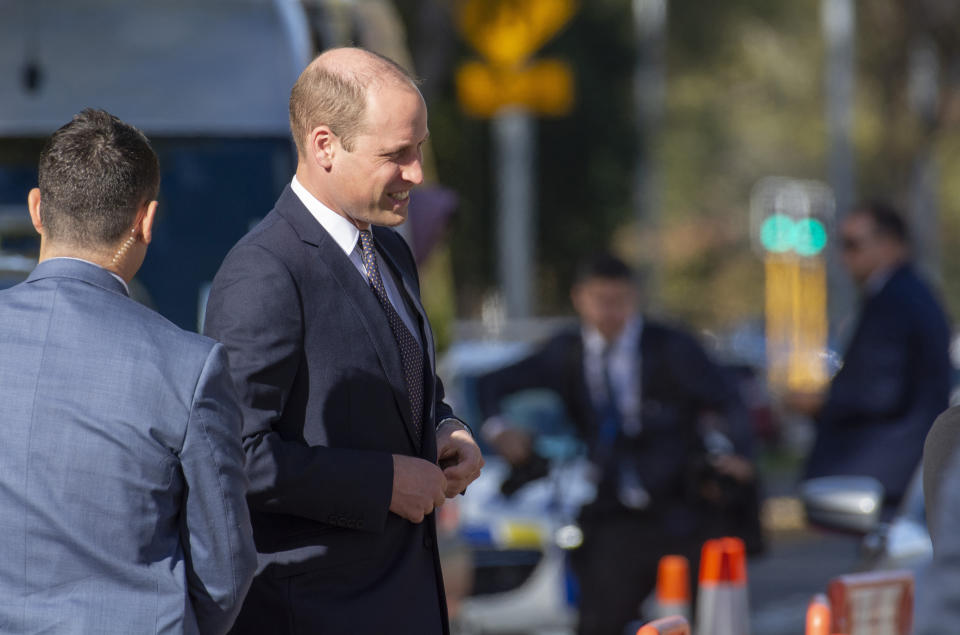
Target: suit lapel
{"type": "Point", "coordinates": [357, 292]}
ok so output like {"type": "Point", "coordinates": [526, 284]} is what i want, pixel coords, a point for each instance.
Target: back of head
{"type": "Point", "coordinates": [332, 91]}
{"type": "Point", "coordinates": [96, 172]}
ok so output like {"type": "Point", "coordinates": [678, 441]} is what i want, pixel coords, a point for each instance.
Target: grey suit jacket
{"type": "Point", "coordinates": [938, 586]}
{"type": "Point", "coordinates": [121, 473]}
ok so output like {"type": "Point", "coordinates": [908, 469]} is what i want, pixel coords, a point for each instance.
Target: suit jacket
{"type": "Point", "coordinates": [325, 408]}
{"type": "Point", "coordinates": [678, 382]}
{"type": "Point", "coordinates": [939, 449]}
{"type": "Point", "coordinates": [938, 585]}
{"type": "Point", "coordinates": [121, 471]}
{"type": "Point", "coordinates": [894, 382]}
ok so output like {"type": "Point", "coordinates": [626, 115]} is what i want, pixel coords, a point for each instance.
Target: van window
{"type": "Point", "coordinates": [212, 191]}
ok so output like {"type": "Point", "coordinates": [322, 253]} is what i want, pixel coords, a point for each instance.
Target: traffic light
{"type": "Point", "coordinates": [790, 224]}
{"type": "Point", "coordinates": [780, 233]}
{"type": "Point", "coordinates": [790, 217]}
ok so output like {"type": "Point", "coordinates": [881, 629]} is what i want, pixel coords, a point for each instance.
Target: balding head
{"type": "Point", "coordinates": [333, 89]}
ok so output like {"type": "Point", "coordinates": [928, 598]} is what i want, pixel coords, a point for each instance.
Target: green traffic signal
{"type": "Point", "coordinates": [810, 237]}
{"type": "Point", "coordinates": [776, 233]}
{"type": "Point", "coordinates": [780, 234]}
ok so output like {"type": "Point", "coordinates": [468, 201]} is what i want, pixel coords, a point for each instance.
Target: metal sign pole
{"type": "Point", "coordinates": [839, 26]}
{"type": "Point", "coordinates": [515, 165]}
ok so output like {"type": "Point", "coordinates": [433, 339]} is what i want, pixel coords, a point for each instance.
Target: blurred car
{"type": "Point", "coordinates": [855, 504]}
{"type": "Point", "coordinates": [518, 543]}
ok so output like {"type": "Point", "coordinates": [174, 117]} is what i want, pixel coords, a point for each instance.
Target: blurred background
{"type": "Point", "coordinates": [713, 146]}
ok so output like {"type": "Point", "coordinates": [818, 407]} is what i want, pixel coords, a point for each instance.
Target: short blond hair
{"type": "Point", "coordinates": [332, 90]}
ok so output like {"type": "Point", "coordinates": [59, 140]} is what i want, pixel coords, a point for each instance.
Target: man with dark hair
{"type": "Point", "coordinates": [333, 355]}
{"type": "Point", "coordinates": [895, 377]}
{"type": "Point", "coordinates": [637, 392]}
{"type": "Point", "coordinates": [121, 471]}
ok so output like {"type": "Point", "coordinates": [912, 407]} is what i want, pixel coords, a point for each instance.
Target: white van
{"type": "Point", "coordinates": [207, 81]}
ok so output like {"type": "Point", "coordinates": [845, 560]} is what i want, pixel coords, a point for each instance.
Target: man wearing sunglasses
{"type": "Point", "coordinates": [895, 377]}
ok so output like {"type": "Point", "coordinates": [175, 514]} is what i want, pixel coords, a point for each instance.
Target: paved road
{"type": "Point", "coordinates": [797, 565]}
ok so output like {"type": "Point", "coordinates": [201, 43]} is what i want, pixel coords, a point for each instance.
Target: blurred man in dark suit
{"type": "Point", "coordinates": [121, 472]}
{"type": "Point", "coordinates": [895, 377]}
{"type": "Point", "coordinates": [638, 393]}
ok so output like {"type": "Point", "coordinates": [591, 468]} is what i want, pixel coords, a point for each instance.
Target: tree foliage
{"type": "Point", "coordinates": [744, 100]}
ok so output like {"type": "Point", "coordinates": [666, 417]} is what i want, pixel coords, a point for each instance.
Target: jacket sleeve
{"type": "Point", "coordinates": [256, 312]}
{"type": "Point", "coordinates": [545, 368]}
{"type": "Point", "coordinates": [215, 524]}
{"type": "Point", "coordinates": [937, 601]}
{"type": "Point", "coordinates": [708, 387]}
{"type": "Point", "coordinates": [873, 383]}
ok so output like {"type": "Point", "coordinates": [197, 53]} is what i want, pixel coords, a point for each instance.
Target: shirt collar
{"type": "Point", "coordinates": [343, 232]}
{"type": "Point", "coordinates": [594, 342]}
{"type": "Point", "coordinates": [878, 280]}
{"type": "Point", "coordinates": [122, 281]}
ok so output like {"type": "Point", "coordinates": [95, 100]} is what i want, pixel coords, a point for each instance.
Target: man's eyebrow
{"type": "Point", "coordinates": [388, 150]}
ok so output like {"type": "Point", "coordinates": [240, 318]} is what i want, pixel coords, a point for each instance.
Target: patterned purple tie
{"type": "Point", "coordinates": [411, 355]}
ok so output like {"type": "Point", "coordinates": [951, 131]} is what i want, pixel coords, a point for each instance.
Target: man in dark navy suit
{"type": "Point", "coordinates": [332, 353]}
{"type": "Point", "coordinates": [641, 395]}
{"type": "Point", "coordinates": [895, 377]}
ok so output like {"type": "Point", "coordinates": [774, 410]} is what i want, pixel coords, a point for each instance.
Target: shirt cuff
{"type": "Point", "coordinates": [460, 423]}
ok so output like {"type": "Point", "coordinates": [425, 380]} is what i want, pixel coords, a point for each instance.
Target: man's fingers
{"type": "Point", "coordinates": [458, 471]}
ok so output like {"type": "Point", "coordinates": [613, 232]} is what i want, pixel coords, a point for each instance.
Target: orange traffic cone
{"type": "Point", "coordinates": [671, 625]}
{"type": "Point", "coordinates": [818, 616]}
{"type": "Point", "coordinates": [673, 588]}
{"type": "Point", "coordinates": [722, 596]}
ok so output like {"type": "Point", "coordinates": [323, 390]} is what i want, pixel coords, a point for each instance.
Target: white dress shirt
{"type": "Point", "coordinates": [347, 236]}
{"type": "Point", "coordinates": [624, 366]}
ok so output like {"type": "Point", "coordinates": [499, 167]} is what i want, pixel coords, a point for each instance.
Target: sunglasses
{"type": "Point", "coordinates": [850, 243]}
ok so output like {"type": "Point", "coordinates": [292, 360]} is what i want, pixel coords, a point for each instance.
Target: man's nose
{"type": "Point", "coordinates": [413, 172]}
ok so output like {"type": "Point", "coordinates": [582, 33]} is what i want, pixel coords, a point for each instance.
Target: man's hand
{"type": "Point", "coordinates": [418, 487]}
{"type": "Point", "coordinates": [460, 457]}
{"type": "Point", "coordinates": [512, 444]}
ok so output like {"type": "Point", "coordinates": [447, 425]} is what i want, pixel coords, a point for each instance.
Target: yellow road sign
{"type": "Point", "coordinates": [507, 32]}
{"type": "Point", "coordinates": [545, 87]}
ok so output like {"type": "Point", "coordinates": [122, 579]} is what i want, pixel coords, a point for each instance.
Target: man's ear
{"type": "Point", "coordinates": [33, 204]}
{"type": "Point", "coordinates": [147, 217]}
{"type": "Point", "coordinates": [323, 146]}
